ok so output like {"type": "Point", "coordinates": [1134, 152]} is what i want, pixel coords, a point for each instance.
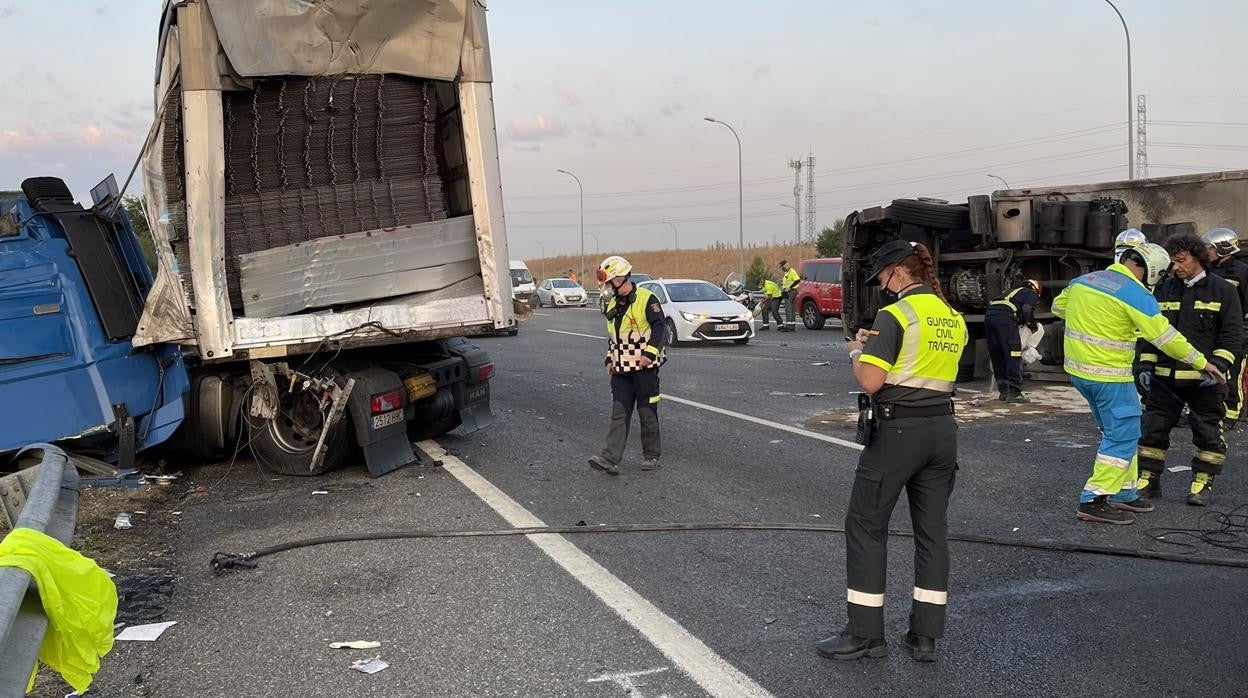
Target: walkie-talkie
{"type": "Point", "coordinates": [866, 419]}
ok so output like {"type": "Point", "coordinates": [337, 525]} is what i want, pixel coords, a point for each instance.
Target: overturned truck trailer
{"type": "Point", "coordinates": [1053, 234]}
{"type": "Point", "coordinates": [324, 194]}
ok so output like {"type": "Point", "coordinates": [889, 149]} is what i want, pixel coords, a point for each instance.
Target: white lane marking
{"type": "Point", "coordinates": [765, 422]}
{"type": "Point", "coordinates": [577, 334]}
{"type": "Point", "coordinates": [542, 314]}
{"type": "Point", "coordinates": [710, 671]}
{"type": "Point", "coordinates": [625, 681]}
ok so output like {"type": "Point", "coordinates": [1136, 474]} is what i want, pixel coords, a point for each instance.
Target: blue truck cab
{"type": "Point", "coordinates": [72, 287]}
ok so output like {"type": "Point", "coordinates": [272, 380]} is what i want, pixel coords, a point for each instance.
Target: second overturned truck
{"type": "Point", "coordinates": [991, 243]}
{"type": "Point", "coordinates": [325, 201]}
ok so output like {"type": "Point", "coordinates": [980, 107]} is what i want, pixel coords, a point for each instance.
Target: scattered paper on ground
{"type": "Point", "coordinates": [369, 666]}
{"type": "Point", "coordinates": [355, 645]}
{"type": "Point", "coordinates": [145, 633]}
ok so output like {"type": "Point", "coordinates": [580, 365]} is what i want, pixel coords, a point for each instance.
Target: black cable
{"type": "Point", "coordinates": [1229, 531]}
{"type": "Point", "coordinates": [225, 561]}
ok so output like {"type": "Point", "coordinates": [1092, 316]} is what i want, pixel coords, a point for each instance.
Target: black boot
{"type": "Point", "coordinates": [1201, 492]}
{"type": "Point", "coordinates": [1148, 486]}
{"type": "Point", "coordinates": [847, 647]}
{"type": "Point", "coordinates": [1099, 511]}
{"type": "Point", "coordinates": [922, 649]}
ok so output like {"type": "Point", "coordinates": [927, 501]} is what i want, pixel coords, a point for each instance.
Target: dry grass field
{"type": "Point", "coordinates": [709, 264]}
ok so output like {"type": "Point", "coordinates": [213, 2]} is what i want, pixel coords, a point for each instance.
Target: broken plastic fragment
{"type": "Point", "coordinates": [369, 666]}
{"type": "Point", "coordinates": [355, 645]}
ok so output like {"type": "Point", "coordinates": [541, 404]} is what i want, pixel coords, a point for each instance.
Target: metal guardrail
{"type": "Point", "coordinates": [44, 498]}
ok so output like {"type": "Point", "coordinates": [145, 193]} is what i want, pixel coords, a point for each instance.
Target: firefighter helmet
{"type": "Point", "coordinates": [1154, 258]}
{"type": "Point", "coordinates": [1224, 241]}
{"type": "Point", "coordinates": [613, 267]}
{"type": "Point", "coordinates": [1131, 237]}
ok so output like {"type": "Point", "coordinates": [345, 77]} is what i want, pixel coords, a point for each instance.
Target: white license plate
{"type": "Point", "coordinates": [387, 418]}
{"type": "Point", "coordinates": [574, 298]}
{"type": "Point", "coordinates": [727, 328]}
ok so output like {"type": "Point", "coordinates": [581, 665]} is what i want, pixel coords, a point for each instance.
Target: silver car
{"type": "Point", "coordinates": [560, 292]}
{"type": "Point", "coordinates": [701, 311]}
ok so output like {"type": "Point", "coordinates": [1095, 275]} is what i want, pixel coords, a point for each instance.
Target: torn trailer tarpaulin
{"type": "Point", "coordinates": [433, 39]}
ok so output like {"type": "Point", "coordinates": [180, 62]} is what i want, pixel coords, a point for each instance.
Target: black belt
{"type": "Point", "coordinates": [892, 411]}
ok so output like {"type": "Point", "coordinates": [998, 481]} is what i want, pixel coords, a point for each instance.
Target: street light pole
{"type": "Point", "coordinates": [543, 249]}
{"type": "Point", "coordinates": [581, 191]}
{"type": "Point", "coordinates": [597, 248]}
{"type": "Point", "coordinates": [740, 196]}
{"type": "Point", "coordinates": [676, 239]}
{"type": "Point", "coordinates": [797, 224]}
{"type": "Point", "coordinates": [1130, 96]}
{"type": "Point", "coordinates": [1002, 180]}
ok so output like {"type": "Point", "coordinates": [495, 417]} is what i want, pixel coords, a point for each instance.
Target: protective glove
{"type": "Point", "coordinates": [1144, 381]}
{"type": "Point", "coordinates": [1033, 326]}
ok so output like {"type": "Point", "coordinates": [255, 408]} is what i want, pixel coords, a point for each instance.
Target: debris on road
{"type": "Point", "coordinates": [769, 621]}
{"type": "Point", "coordinates": [145, 633]}
{"type": "Point", "coordinates": [316, 492]}
{"type": "Point", "coordinates": [355, 645]}
{"type": "Point", "coordinates": [122, 522]}
{"type": "Point", "coordinates": [1179, 468]}
{"type": "Point", "coordinates": [822, 363]}
{"type": "Point", "coordinates": [369, 666]}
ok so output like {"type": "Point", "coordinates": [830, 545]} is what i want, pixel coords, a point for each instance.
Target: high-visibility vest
{"type": "Point", "coordinates": [1008, 299]}
{"type": "Point", "coordinates": [790, 279]}
{"type": "Point", "coordinates": [771, 289]}
{"type": "Point", "coordinates": [933, 338]}
{"type": "Point", "coordinates": [629, 335]}
{"type": "Point", "coordinates": [1105, 312]}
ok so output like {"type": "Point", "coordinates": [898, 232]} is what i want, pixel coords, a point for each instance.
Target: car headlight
{"type": "Point", "coordinates": [746, 316]}
{"type": "Point", "coordinates": [692, 317]}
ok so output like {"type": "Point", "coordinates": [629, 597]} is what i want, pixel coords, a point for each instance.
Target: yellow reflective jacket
{"type": "Point", "coordinates": [1105, 312]}
{"type": "Point", "coordinates": [771, 289]}
{"type": "Point", "coordinates": [78, 598]}
{"type": "Point", "coordinates": [933, 337]}
{"type": "Point", "coordinates": [790, 280]}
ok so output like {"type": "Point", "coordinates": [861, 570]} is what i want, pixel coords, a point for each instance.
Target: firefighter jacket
{"type": "Point", "coordinates": [771, 289]}
{"type": "Point", "coordinates": [1236, 273]}
{"type": "Point", "coordinates": [1208, 314]}
{"type": "Point", "coordinates": [1021, 301]}
{"type": "Point", "coordinates": [790, 281]}
{"type": "Point", "coordinates": [636, 327]}
{"type": "Point", "coordinates": [1104, 311]}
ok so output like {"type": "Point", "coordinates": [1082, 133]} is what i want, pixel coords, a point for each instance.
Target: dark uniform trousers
{"type": "Point", "coordinates": [638, 389]}
{"type": "Point", "coordinates": [919, 455]}
{"type": "Point", "coordinates": [771, 307]}
{"type": "Point", "coordinates": [1005, 348]}
{"type": "Point", "coordinates": [1235, 385]}
{"type": "Point", "coordinates": [1161, 414]}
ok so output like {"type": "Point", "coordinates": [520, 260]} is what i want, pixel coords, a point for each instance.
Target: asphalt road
{"type": "Point", "coordinates": [674, 613]}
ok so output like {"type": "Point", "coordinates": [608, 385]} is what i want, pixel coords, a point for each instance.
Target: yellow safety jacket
{"type": "Point", "coordinates": [790, 280]}
{"type": "Point", "coordinates": [771, 289]}
{"type": "Point", "coordinates": [1105, 312]}
{"type": "Point", "coordinates": [629, 335]}
{"type": "Point", "coordinates": [933, 337]}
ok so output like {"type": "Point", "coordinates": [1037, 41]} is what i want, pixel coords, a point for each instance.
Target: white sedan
{"type": "Point", "coordinates": [560, 292]}
{"type": "Point", "coordinates": [701, 311]}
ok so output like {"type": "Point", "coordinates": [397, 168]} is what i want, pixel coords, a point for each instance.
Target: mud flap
{"type": "Point", "coordinates": [386, 448]}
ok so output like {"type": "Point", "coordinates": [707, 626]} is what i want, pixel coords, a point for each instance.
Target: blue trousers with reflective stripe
{"type": "Point", "coordinates": [1116, 408]}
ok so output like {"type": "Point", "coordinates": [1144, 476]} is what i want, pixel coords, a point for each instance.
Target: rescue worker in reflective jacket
{"type": "Point", "coordinates": [1105, 311]}
{"type": "Point", "coordinates": [1223, 245]}
{"type": "Point", "coordinates": [788, 287]}
{"type": "Point", "coordinates": [1012, 309]}
{"type": "Point", "coordinates": [1205, 308]}
{"type": "Point", "coordinates": [636, 330]}
{"type": "Point", "coordinates": [771, 305]}
{"type": "Point", "coordinates": [908, 362]}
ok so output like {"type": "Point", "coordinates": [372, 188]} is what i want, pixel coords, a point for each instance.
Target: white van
{"type": "Point", "coordinates": [522, 286]}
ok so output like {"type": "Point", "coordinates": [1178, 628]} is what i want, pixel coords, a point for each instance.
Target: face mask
{"type": "Point", "coordinates": [887, 293]}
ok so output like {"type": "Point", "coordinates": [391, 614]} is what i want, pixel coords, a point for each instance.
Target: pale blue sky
{"type": "Point", "coordinates": [895, 98]}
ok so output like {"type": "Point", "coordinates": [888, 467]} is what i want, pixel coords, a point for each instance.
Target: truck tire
{"type": "Point", "coordinates": [286, 443]}
{"type": "Point", "coordinates": [927, 214]}
{"type": "Point", "coordinates": [811, 317]}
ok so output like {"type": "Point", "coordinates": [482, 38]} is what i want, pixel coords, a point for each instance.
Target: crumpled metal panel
{"type": "Point", "coordinates": [359, 267]}
{"type": "Point", "coordinates": [420, 38]}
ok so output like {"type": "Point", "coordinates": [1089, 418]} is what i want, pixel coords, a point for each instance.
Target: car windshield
{"type": "Point", "coordinates": [696, 291]}
{"type": "Point", "coordinates": [521, 276]}
{"type": "Point", "coordinates": [564, 283]}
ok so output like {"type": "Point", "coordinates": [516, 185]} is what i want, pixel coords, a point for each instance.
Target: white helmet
{"type": "Point", "coordinates": [1154, 258]}
{"type": "Point", "coordinates": [1131, 237]}
{"type": "Point", "coordinates": [1224, 241]}
{"type": "Point", "coordinates": [613, 267]}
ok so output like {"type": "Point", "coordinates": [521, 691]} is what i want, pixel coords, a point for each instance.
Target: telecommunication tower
{"type": "Point", "coordinates": [797, 200]}
{"type": "Point", "coordinates": [810, 198]}
{"type": "Point", "coordinates": [1141, 138]}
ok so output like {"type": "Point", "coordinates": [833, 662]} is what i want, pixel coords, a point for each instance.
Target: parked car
{"type": "Point", "coordinates": [637, 278]}
{"type": "Point", "coordinates": [819, 291]}
{"type": "Point", "coordinates": [698, 310]}
{"type": "Point", "coordinates": [560, 292]}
